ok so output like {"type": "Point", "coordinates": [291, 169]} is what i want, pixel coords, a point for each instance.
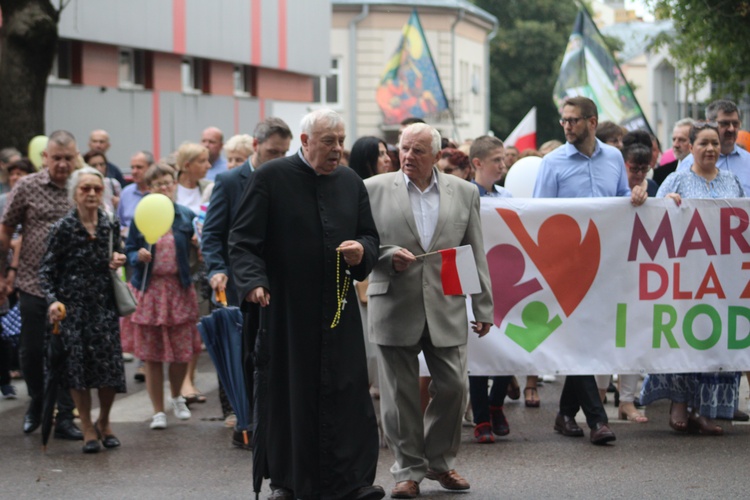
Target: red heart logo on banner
{"type": "Point", "coordinates": [567, 263]}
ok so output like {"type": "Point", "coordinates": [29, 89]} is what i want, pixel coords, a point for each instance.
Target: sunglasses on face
{"type": "Point", "coordinates": [639, 167]}
{"type": "Point", "coordinates": [95, 189]}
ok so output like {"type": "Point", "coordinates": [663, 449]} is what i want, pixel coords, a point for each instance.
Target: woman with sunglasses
{"type": "Point", "coordinates": [698, 398]}
{"type": "Point", "coordinates": [75, 274]}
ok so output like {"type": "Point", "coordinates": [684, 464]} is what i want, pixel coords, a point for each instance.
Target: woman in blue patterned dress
{"type": "Point", "coordinates": [75, 273]}
{"type": "Point", "coordinates": [698, 398]}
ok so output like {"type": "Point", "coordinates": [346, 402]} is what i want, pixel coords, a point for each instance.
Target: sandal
{"type": "Point", "coordinates": [698, 424]}
{"type": "Point", "coordinates": [514, 390]}
{"type": "Point", "coordinates": [532, 397]}
{"type": "Point", "coordinates": [195, 397]}
{"type": "Point", "coordinates": [633, 416]}
{"type": "Point", "coordinates": [680, 425]}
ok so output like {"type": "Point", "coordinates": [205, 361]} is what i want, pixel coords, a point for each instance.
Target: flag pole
{"type": "Point", "coordinates": [426, 254]}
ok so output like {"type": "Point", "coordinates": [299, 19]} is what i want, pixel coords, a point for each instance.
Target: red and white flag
{"type": "Point", "coordinates": [523, 136]}
{"type": "Point", "coordinates": [459, 272]}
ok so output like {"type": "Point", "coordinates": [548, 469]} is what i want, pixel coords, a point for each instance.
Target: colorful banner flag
{"type": "Point", "coordinates": [410, 86]}
{"type": "Point", "coordinates": [597, 286]}
{"type": "Point", "coordinates": [459, 271]}
{"type": "Point", "coordinates": [588, 69]}
{"type": "Point", "coordinates": [523, 136]}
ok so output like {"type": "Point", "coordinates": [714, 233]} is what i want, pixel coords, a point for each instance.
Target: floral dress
{"type": "Point", "coordinates": [712, 394]}
{"type": "Point", "coordinates": [164, 327]}
{"type": "Point", "coordinates": [75, 272]}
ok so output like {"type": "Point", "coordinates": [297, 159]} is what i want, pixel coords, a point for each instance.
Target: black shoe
{"type": "Point", "coordinates": [740, 416]}
{"type": "Point", "coordinates": [66, 429]}
{"type": "Point", "coordinates": [368, 493]}
{"type": "Point", "coordinates": [91, 446]}
{"type": "Point", "coordinates": [567, 426]}
{"type": "Point", "coordinates": [30, 423]}
{"type": "Point", "coordinates": [109, 440]}
{"type": "Point", "coordinates": [238, 439]}
{"type": "Point", "coordinates": [602, 434]}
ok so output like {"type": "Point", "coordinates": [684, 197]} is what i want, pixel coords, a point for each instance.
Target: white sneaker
{"type": "Point", "coordinates": [549, 378]}
{"type": "Point", "coordinates": [181, 410]}
{"type": "Point", "coordinates": [159, 421]}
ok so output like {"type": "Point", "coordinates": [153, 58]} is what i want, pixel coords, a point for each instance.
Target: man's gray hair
{"type": "Point", "coordinates": [271, 126]}
{"type": "Point", "coordinates": [7, 153]}
{"type": "Point", "coordinates": [725, 106]}
{"type": "Point", "coordinates": [61, 138]}
{"type": "Point", "coordinates": [326, 117]}
{"type": "Point", "coordinates": [685, 122]}
{"type": "Point", "coordinates": [418, 128]}
{"type": "Point", "coordinates": [149, 156]}
{"type": "Point", "coordinates": [75, 179]}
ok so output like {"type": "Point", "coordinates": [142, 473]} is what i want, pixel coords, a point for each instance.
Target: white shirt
{"type": "Point", "coordinates": [425, 206]}
{"type": "Point", "coordinates": [191, 198]}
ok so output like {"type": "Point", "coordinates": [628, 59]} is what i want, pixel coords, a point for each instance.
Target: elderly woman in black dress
{"type": "Point", "coordinates": [75, 273]}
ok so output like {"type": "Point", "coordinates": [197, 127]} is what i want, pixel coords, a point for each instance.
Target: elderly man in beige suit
{"type": "Point", "coordinates": [419, 210]}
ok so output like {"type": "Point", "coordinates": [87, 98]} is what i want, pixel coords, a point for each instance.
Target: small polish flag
{"type": "Point", "coordinates": [523, 136]}
{"type": "Point", "coordinates": [459, 271]}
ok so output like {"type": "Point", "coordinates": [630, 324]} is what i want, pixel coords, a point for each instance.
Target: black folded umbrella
{"type": "Point", "coordinates": [260, 405]}
{"type": "Point", "coordinates": [222, 334]}
{"type": "Point", "coordinates": [55, 362]}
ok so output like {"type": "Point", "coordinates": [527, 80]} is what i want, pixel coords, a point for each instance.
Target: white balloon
{"type": "Point", "coordinates": [522, 176]}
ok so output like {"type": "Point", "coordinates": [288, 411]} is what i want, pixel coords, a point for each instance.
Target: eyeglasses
{"type": "Point", "coordinates": [729, 123]}
{"type": "Point", "coordinates": [572, 121]}
{"type": "Point", "coordinates": [638, 167]}
{"type": "Point", "coordinates": [165, 184]}
{"type": "Point", "coordinates": [711, 125]}
{"type": "Point", "coordinates": [95, 189]}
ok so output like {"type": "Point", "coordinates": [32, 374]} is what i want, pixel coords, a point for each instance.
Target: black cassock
{"type": "Point", "coordinates": [322, 436]}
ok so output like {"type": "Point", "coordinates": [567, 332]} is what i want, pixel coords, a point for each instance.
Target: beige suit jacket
{"type": "Point", "coordinates": [400, 304]}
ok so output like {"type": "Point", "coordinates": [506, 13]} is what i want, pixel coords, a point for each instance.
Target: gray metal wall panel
{"type": "Point", "coordinates": [143, 24]}
{"type": "Point", "coordinates": [126, 115]}
{"type": "Point", "coordinates": [309, 37]}
{"type": "Point", "coordinates": [269, 46]}
{"type": "Point", "coordinates": [218, 29]}
{"type": "Point", "coordinates": [215, 29]}
{"type": "Point", "coordinates": [185, 116]}
{"type": "Point", "coordinates": [249, 110]}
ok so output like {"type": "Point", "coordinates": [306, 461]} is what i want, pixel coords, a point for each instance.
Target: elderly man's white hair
{"type": "Point", "coordinates": [418, 128]}
{"type": "Point", "coordinates": [324, 116]}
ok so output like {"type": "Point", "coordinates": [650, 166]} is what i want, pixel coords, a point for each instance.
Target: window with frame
{"type": "Point", "coordinates": [327, 89]}
{"type": "Point", "coordinates": [65, 63]}
{"type": "Point", "coordinates": [132, 68]}
{"type": "Point", "coordinates": [192, 75]}
{"type": "Point", "coordinates": [244, 80]}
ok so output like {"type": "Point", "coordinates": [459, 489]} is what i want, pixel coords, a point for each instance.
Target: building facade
{"type": "Point", "coordinates": [155, 73]}
{"type": "Point", "coordinates": [366, 33]}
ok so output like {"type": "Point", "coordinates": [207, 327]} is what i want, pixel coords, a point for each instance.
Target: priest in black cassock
{"type": "Point", "coordinates": [302, 233]}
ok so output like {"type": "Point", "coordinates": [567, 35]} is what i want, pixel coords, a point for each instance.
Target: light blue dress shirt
{"type": "Point", "coordinates": [568, 173]}
{"type": "Point", "coordinates": [219, 166]}
{"type": "Point", "coordinates": [737, 162]}
{"type": "Point", "coordinates": [129, 198]}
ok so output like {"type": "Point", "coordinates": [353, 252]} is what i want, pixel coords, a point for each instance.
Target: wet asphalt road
{"type": "Point", "coordinates": [195, 460]}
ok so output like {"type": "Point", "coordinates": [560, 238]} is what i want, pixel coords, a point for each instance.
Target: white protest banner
{"type": "Point", "coordinates": [597, 286]}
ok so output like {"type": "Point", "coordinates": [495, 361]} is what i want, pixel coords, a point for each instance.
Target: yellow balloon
{"type": "Point", "coordinates": [153, 217]}
{"type": "Point", "coordinates": [36, 146]}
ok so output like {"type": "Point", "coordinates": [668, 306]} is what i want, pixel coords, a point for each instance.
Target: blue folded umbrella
{"type": "Point", "coordinates": [222, 333]}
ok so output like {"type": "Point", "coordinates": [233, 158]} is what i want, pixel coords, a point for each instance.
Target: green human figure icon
{"type": "Point", "coordinates": [537, 326]}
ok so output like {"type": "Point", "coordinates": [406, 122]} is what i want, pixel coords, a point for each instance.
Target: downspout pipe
{"type": "Point", "coordinates": [491, 36]}
{"type": "Point", "coordinates": [352, 84]}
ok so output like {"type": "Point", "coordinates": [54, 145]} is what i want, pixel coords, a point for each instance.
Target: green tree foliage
{"type": "Point", "coordinates": [710, 42]}
{"type": "Point", "coordinates": [525, 58]}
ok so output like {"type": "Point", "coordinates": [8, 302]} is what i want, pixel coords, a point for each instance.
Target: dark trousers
{"type": "Point", "coordinates": [31, 351]}
{"type": "Point", "coordinates": [581, 392]}
{"type": "Point", "coordinates": [6, 353]}
{"type": "Point", "coordinates": [481, 401]}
